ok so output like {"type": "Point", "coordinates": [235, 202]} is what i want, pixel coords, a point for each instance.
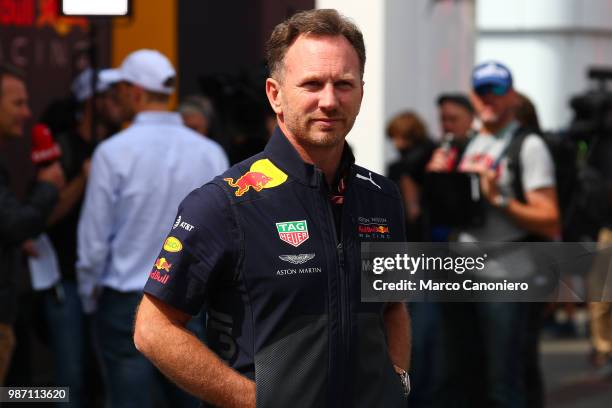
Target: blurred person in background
{"type": "Point", "coordinates": [409, 136]}
{"type": "Point", "coordinates": [486, 342]}
{"type": "Point", "coordinates": [198, 113]}
{"type": "Point", "coordinates": [138, 177]}
{"type": "Point", "coordinates": [457, 122]}
{"type": "Point", "coordinates": [457, 118]}
{"type": "Point", "coordinates": [599, 278]}
{"type": "Point", "coordinates": [61, 307]}
{"type": "Point", "coordinates": [601, 312]}
{"type": "Point", "coordinates": [408, 133]}
{"type": "Point", "coordinates": [527, 116]}
{"type": "Point", "coordinates": [526, 113]}
{"type": "Point", "coordinates": [19, 220]}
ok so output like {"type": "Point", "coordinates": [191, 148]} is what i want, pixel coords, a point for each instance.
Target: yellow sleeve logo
{"type": "Point", "coordinates": [173, 245]}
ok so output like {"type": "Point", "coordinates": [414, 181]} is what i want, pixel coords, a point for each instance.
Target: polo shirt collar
{"type": "Point", "coordinates": [284, 155]}
{"type": "Point", "coordinates": [158, 118]}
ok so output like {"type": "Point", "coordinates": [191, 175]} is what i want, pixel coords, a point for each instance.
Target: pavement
{"type": "Point", "coordinates": [571, 381]}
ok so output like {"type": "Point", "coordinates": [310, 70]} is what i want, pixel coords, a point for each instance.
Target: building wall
{"type": "Point", "coordinates": [416, 50]}
{"type": "Point", "coordinates": [549, 45]}
{"type": "Point", "coordinates": [152, 24]}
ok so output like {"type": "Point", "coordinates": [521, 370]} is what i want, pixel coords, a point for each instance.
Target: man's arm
{"type": "Point", "coordinates": [70, 195]}
{"type": "Point", "coordinates": [411, 195]}
{"type": "Point", "coordinates": [160, 335]}
{"type": "Point", "coordinates": [540, 215]}
{"type": "Point", "coordinates": [95, 229]}
{"type": "Point", "coordinates": [399, 335]}
{"type": "Point", "coordinates": [21, 221]}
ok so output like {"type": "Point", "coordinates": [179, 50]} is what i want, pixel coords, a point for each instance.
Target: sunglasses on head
{"type": "Point", "coordinates": [497, 90]}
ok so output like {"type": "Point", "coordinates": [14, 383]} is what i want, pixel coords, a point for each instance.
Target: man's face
{"type": "Point", "coordinates": [493, 107]}
{"type": "Point", "coordinates": [318, 93]}
{"type": "Point", "coordinates": [108, 109]}
{"type": "Point", "coordinates": [14, 110]}
{"type": "Point", "coordinates": [195, 121]}
{"type": "Point", "coordinates": [124, 96]}
{"type": "Point", "coordinates": [455, 119]}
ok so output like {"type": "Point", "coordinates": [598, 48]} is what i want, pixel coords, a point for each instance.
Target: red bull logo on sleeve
{"type": "Point", "coordinates": [158, 274]}
{"type": "Point", "coordinates": [162, 264]}
{"type": "Point", "coordinates": [262, 174]}
{"type": "Point", "coordinates": [159, 277]}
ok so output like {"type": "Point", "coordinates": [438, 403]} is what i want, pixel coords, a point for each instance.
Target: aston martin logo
{"type": "Point", "coordinates": [297, 259]}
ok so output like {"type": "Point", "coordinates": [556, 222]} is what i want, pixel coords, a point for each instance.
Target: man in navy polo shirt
{"type": "Point", "coordinates": [272, 249]}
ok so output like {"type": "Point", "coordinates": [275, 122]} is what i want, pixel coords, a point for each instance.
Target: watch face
{"type": "Point", "coordinates": [405, 380]}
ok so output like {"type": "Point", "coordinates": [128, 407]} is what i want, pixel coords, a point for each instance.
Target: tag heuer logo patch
{"type": "Point", "coordinates": [293, 232]}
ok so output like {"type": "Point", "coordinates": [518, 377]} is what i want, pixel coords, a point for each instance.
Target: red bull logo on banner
{"type": "Point", "coordinates": [262, 174]}
{"type": "Point", "coordinates": [48, 15]}
{"type": "Point", "coordinates": [293, 232]}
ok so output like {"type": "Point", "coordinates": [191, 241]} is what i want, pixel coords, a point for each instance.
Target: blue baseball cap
{"type": "Point", "coordinates": [492, 76]}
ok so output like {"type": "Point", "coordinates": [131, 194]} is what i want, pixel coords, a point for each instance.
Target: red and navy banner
{"type": "Point", "coordinates": [51, 49]}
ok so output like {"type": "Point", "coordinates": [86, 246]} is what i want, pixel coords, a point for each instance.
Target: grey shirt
{"type": "Point", "coordinates": [537, 171]}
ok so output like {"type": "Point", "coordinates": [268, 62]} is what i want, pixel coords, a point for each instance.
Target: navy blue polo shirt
{"type": "Point", "coordinates": [260, 249]}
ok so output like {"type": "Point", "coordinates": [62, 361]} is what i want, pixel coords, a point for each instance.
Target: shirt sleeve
{"type": "Point", "coordinates": [21, 221]}
{"type": "Point", "coordinates": [221, 160]}
{"type": "Point", "coordinates": [538, 168]}
{"type": "Point", "coordinates": [200, 245]}
{"type": "Point", "coordinates": [95, 227]}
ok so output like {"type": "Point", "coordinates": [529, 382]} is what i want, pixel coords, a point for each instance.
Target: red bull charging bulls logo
{"type": "Point", "coordinates": [161, 263]}
{"type": "Point", "coordinates": [262, 174]}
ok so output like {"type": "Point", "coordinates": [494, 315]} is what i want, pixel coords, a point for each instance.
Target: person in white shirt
{"type": "Point", "coordinates": [138, 178]}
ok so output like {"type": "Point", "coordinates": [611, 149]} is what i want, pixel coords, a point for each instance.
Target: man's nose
{"type": "Point", "coordinates": [27, 113]}
{"type": "Point", "coordinates": [328, 99]}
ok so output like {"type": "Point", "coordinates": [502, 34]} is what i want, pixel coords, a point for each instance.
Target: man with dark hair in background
{"type": "Point", "coordinates": [273, 251]}
{"type": "Point", "coordinates": [19, 221]}
{"type": "Point", "coordinates": [456, 115]}
{"type": "Point", "coordinates": [198, 113]}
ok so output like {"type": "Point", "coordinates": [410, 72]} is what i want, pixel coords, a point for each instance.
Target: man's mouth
{"type": "Point", "coordinates": [327, 120]}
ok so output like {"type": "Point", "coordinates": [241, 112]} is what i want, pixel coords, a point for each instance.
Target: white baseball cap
{"type": "Point", "coordinates": [81, 86]}
{"type": "Point", "coordinates": [149, 69]}
{"type": "Point", "coordinates": [109, 77]}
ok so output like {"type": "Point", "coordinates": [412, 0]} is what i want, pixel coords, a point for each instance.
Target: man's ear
{"type": "Point", "coordinates": [362, 90]}
{"type": "Point", "coordinates": [273, 91]}
{"type": "Point", "coordinates": [139, 96]}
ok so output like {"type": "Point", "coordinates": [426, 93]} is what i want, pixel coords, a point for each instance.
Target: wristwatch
{"type": "Point", "coordinates": [501, 201]}
{"type": "Point", "coordinates": [404, 378]}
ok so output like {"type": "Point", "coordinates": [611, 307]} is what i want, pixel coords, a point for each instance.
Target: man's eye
{"type": "Point", "coordinates": [312, 85]}
{"type": "Point", "coordinates": [344, 85]}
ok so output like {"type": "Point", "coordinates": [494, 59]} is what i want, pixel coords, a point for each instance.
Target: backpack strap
{"type": "Point", "coordinates": [513, 155]}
